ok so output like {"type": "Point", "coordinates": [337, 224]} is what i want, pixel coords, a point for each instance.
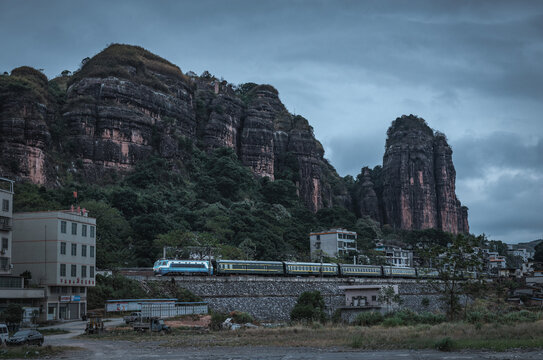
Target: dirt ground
{"type": "Point", "coordinates": [189, 321]}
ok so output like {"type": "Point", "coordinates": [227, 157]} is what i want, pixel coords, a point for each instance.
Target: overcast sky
{"type": "Point", "coordinates": [472, 69]}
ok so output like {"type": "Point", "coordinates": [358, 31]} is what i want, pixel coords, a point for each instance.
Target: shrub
{"type": "Point", "coordinates": [310, 307]}
{"type": "Point", "coordinates": [357, 341]}
{"type": "Point", "coordinates": [445, 344]}
{"type": "Point", "coordinates": [369, 318]}
{"type": "Point", "coordinates": [431, 318]}
{"type": "Point", "coordinates": [240, 317]}
{"type": "Point", "coordinates": [485, 316]}
{"type": "Point", "coordinates": [520, 316]}
{"type": "Point", "coordinates": [393, 321]}
{"type": "Point", "coordinates": [425, 302]}
{"type": "Point", "coordinates": [217, 319]}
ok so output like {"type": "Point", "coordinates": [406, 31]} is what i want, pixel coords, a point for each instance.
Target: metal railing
{"type": "Point", "coordinates": [171, 310]}
{"type": "Point", "coordinates": [5, 223]}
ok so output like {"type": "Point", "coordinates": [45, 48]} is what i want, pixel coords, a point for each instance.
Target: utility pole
{"type": "Point", "coordinates": [45, 254]}
{"type": "Point", "coordinates": [209, 253]}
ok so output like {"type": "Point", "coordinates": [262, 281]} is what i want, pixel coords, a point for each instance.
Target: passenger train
{"type": "Point", "coordinates": [285, 268]}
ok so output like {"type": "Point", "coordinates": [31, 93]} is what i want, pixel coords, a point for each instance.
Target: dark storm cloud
{"type": "Point", "coordinates": [472, 69]}
{"type": "Point", "coordinates": [351, 153]}
{"type": "Point", "coordinates": [503, 175]}
{"type": "Point", "coordinates": [474, 155]}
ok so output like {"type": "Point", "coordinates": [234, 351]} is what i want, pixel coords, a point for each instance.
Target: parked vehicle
{"type": "Point", "coordinates": [95, 324]}
{"type": "Point", "coordinates": [26, 337]}
{"type": "Point", "coordinates": [4, 334]}
{"type": "Point", "coordinates": [154, 324]}
{"type": "Point", "coordinates": [135, 316]}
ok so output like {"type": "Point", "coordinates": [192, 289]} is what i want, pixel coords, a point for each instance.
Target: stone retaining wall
{"type": "Point", "coordinates": [272, 298]}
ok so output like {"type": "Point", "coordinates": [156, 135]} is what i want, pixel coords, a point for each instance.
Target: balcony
{"type": "Point", "coordinates": [4, 264]}
{"type": "Point", "coordinates": [5, 223]}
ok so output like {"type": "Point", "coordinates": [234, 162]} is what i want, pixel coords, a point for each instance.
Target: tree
{"type": "Point", "coordinates": [113, 235]}
{"type": "Point", "coordinates": [13, 314]}
{"type": "Point", "coordinates": [539, 252]}
{"type": "Point", "coordinates": [388, 296]}
{"type": "Point", "coordinates": [454, 263]}
{"type": "Point", "coordinates": [309, 307]}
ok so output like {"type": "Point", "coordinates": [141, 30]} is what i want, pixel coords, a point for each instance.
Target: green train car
{"type": "Point", "coordinates": [394, 271]}
{"type": "Point", "coordinates": [247, 267]}
{"type": "Point", "coordinates": [360, 270]}
{"type": "Point", "coordinates": [317, 269]}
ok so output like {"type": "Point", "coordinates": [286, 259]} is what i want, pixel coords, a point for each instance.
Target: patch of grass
{"type": "Point", "coordinates": [444, 336]}
{"type": "Point", "coordinates": [26, 352]}
{"type": "Point", "coordinates": [369, 318]}
{"type": "Point", "coordinates": [499, 344]}
{"type": "Point", "coordinates": [132, 63]}
{"type": "Point", "coordinates": [53, 331]}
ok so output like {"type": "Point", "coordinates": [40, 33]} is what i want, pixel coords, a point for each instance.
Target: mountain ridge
{"type": "Point", "coordinates": [126, 104]}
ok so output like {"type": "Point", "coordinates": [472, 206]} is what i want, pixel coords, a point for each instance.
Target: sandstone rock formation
{"type": "Point", "coordinates": [125, 104]}
{"type": "Point", "coordinates": [24, 133]}
{"type": "Point", "coordinates": [368, 202]}
{"type": "Point", "coordinates": [419, 179]}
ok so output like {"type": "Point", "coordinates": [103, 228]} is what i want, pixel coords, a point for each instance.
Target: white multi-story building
{"type": "Point", "coordinates": [395, 255]}
{"type": "Point", "coordinates": [6, 223]}
{"type": "Point", "coordinates": [332, 243]}
{"type": "Point", "coordinates": [12, 289]}
{"type": "Point", "coordinates": [58, 248]}
{"type": "Point", "coordinates": [522, 253]}
{"type": "Point", "coordinates": [496, 262]}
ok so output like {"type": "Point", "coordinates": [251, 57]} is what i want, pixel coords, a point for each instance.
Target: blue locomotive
{"type": "Point", "coordinates": [182, 267]}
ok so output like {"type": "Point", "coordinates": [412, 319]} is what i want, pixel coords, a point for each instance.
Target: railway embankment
{"type": "Point", "coordinates": [272, 298]}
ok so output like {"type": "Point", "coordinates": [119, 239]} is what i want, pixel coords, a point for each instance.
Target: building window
{"type": "Point", "coordinates": [74, 228]}
{"type": "Point", "coordinates": [5, 243]}
{"type": "Point", "coordinates": [64, 289]}
{"type": "Point", "coordinates": [374, 298]}
{"type": "Point", "coordinates": [62, 269]}
{"type": "Point", "coordinates": [62, 248]}
{"type": "Point", "coordinates": [318, 237]}
{"type": "Point", "coordinates": [92, 251]}
{"type": "Point", "coordinates": [63, 227]}
{"type": "Point", "coordinates": [92, 271]}
{"type": "Point", "coordinates": [83, 250]}
{"type": "Point", "coordinates": [83, 271]}
{"type": "Point", "coordinates": [84, 230]}
{"type": "Point", "coordinates": [75, 289]}
{"type": "Point", "coordinates": [74, 249]}
{"type": "Point", "coordinates": [92, 231]}
{"type": "Point", "coordinates": [74, 271]}
{"type": "Point", "coordinates": [5, 205]}
{"type": "Point", "coordinates": [81, 290]}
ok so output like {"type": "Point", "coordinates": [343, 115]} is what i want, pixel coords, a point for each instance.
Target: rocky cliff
{"type": "Point", "coordinates": [125, 104]}
{"type": "Point", "coordinates": [24, 132]}
{"type": "Point", "coordinates": [418, 181]}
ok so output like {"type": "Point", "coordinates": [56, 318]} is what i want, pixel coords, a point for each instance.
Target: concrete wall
{"type": "Point", "coordinates": [272, 298]}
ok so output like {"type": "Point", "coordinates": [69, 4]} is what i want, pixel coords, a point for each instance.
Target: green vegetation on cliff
{"type": "Point", "coordinates": [209, 199]}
